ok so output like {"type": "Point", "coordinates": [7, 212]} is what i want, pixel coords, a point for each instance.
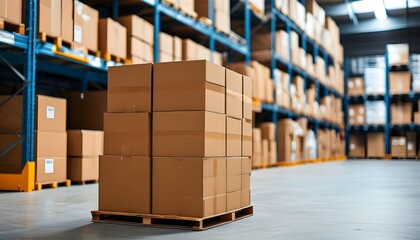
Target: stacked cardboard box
{"type": "Point", "coordinates": [310, 67]}
{"type": "Point", "coordinates": [335, 78]}
{"type": "Point", "coordinates": [319, 18]}
{"type": "Point", "coordinates": [166, 47]}
{"type": "Point", "coordinates": [416, 115]}
{"type": "Point", "coordinates": [282, 82]}
{"type": "Point", "coordinates": [355, 86]}
{"type": "Point", "coordinates": [83, 150]}
{"type": "Point", "coordinates": [194, 51]}
{"type": "Point", "coordinates": [297, 13]}
{"type": "Point", "coordinates": [399, 82]}
{"type": "Point", "coordinates": [290, 139]}
{"type": "Point", "coordinates": [221, 13]}
{"type": "Point", "coordinates": [126, 161]}
{"type": "Point", "coordinates": [399, 147]}
{"type": "Point", "coordinates": [50, 130]}
{"type": "Point", "coordinates": [331, 109]}
{"type": "Point", "coordinates": [415, 70]}
{"type": "Point", "coordinates": [11, 11]}
{"type": "Point", "coordinates": [398, 54]}
{"type": "Point", "coordinates": [297, 95]}
{"type": "Point", "coordinates": [257, 148]}
{"type": "Point", "coordinates": [375, 112]}
{"type": "Point", "coordinates": [282, 6]}
{"type": "Point", "coordinates": [312, 106]}
{"type": "Point", "coordinates": [401, 112]}
{"type": "Point", "coordinates": [320, 72]}
{"type": "Point", "coordinates": [330, 145]}
{"type": "Point", "coordinates": [411, 144]}
{"type": "Point", "coordinates": [334, 44]}
{"type": "Point", "coordinates": [376, 83]}
{"type": "Point", "coordinates": [357, 114]}
{"type": "Point", "coordinates": [139, 38]}
{"type": "Point", "coordinates": [112, 38]}
{"type": "Point", "coordinates": [218, 147]}
{"type": "Point", "coordinates": [282, 44]}
{"type": "Point", "coordinates": [268, 135]}
{"type": "Point", "coordinates": [261, 46]}
{"type": "Point", "coordinates": [375, 144]}
{"type": "Point", "coordinates": [85, 20]}
{"type": "Point", "coordinates": [357, 146]}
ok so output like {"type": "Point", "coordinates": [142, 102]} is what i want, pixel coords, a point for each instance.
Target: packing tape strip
{"type": "Point", "coordinates": [214, 135]}
{"type": "Point", "coordinates": [189, 86]}
{"type": "Point", "coordinates": [234, 136]}
{"type": "Point", "coordinates": [246, 138]}
{"type": "Point", "coordinates": [233, 94]}
{"type": "Point", "coordinates": [144, 89]}
{"type": "Point", "coordinates": [247, 99]}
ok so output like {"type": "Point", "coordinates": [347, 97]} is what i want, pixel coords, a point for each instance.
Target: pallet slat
{"type": "Point", "coordinates": [169, 221]}
{"type": "Point", "coordinates": [18, 28]}
{"type": "Point", "coordinates": [55, 184]}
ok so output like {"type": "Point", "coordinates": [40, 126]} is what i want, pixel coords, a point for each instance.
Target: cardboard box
{"type": "Point", "coordinates": [139, 49]}
{"type": "Point", "coordinates": [411, 145]}
{"type": "Point", "coordinates": [399, 147]}
{"type": "Point", "coordinates": [256, 147]}
{"type": "Point", "coordinates": [51, 169]}
{"type": "Point", "coordinates": [357, 114]}
{"type": "Point", "coordinates": [265, 152]}
{"type": "Point", "coordinates": [398, 54]}
{"type": "Point", "coordinates": [83, 169]}
{"type": "Point", "coordinates": [138, 28]}
{"type": "Point", "coordinates": [246, 165]}
{"type": "Point", "coordinates": [86, 20]}
{"type": "Point", "coordinates": [112, 38]}
{"type": "Point", "coordinates": [284, 139]}
{"type": "Point", "coordinates": [177, 48]}
{"type": "Point", "coordinates": [246, 197]}
{"type": "Point", "coordinates": [11, 11]}
{"type": "Point", "coordinates": [417, 117]}
{"type": "Point", "coordinates": [165, 57]}
{"type": "Point", "coordinates": [355, 86]}
{"type": "Point", "coordinates": [401, 113]}
{"type": "Point", "coordinates": [85, 109]}
{"type": "Point", "coordinates": [117, 174]}
{"type": "Point", "coordinates": [190, 134]}
{"type": "Point", "coordinates": [268, 131]}
{"type": "Point", "coordinates": [189, 187]}
{"type": "Point", "coordinates": [272, 152]}
{"type": "Point", "coordinates": [233, 200]}
{"type": "Point", "coordinates": [127, 134]}
{"type": "Point", "coordinates": [190, 85]}
{"type": "Point", "coordinates": [234, 174]}
{"type": "Point", "coordinates": [357, 146]}
{"type": "Point", "coordinates": [85, 143]}
{"type": "Point", "coordinates": [247, 138]}
{"type": "Point", "coordinates": [399, 82]}
{"type": "Point", "coordinates": [376, 144]}
{"type": "Point", "coordinates": [49, 17]}
{"type": "Point", "coordinates": [130, 88]}
{"type": "Point", "coordinates": [233, 94]}
{"type": "Point", "coordinates": [166, 42]}
{"type": "Point", "coordinates": [247, 97]}
{"type": "Point", "coordinates": [67, 20]}
{"type": "Point", "coordinates": [233, 137]}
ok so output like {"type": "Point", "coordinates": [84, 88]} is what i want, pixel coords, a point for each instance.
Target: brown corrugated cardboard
{"type": "Point", "coordinates": [401, 112]}
{"type": "Point", "coordinates": [411, 145]}
{"type": "Point", "coordinates": [112, 38]}
{"type": "Point", "coordinates": [247, 97]}
{"type": "Point", "coordinates": [177, 48]}
{"type": "Point", "coordinates": [67, 20]}
{"type": "Point", "coordinates": [51, 169]}
{"type": "Point", "coordinates": [399, 82]}
{"type": "Point", "coordinates": [11, 161]}
{"type": "Point", "coordinates": [357, 115]}
{"type": "Point", "coordinates": [86, 19]}
{"type": "Point", "coordinates": [127, 134]}
{"type": "Point", "coordinates": [190, 133]}
{"type": "Point", "coordinates": [246, 181]}
{"type": "Point", "coordinates": [376, 144]}
{"type": "Point", "coordinates": [233, 137]}
{"type": "Point", "coordinates": [49, 17]}
{"type": "Point", "coordinates": [268, 131]}
{"type": "Point", "coordinates": [130, 88]}
{"type": "Point", "coordinates": [246, 197]}
{"type": "Point", "coordinates": [166, 42]}
{"type": "Point", "coordinates": [246, 165]}
{"type": "Point", "coordinates": [165, 57]}
{"type": "Point", "coordinates": [192, 187]}
{"type": "Point", "coordinates": [357, 146]}
{"type": "Point", "coordinates": [233, 94]}
{"type": "Point", "coordinates": [139, 49]}
{"type": "Point", "coordinates": [246, 138]}
{"type": "Point", "coordinates": [399, 147]}
{"type": "Point", "coordinates": [234, 174]}
{"type": "Point", "coordinates": [284, 140]}
{"type": "Point", "coordinates": [119, 174]}
{"type": "Point", "coordinates": [11, 11]}
{"type": "Point", "coordinates": [233, 200]}
{"type": "Point", "coordinates": [272, 152]}
{"type": "Point", "coordinates": [189, 85]}
{"type": "Point", "coordinates": [138, 27]}
{"type": "Point", "coordinates": [417, 117]}
{"type": "Point", "coordinates": [83, 169]}
{"type": "Point", "coordinates": [85, 109]}
{"type": "Point", "coordinates": [85, 143]}
{"type": "Point", "coordinates": [355, 87]}
{"type": "Point", "coordinates": [51, 114]}
{"type": "Point", "coordinates": [398, 54]}
{"type": "Point", "coordinates": [265, 152]}
{"type": "Point", "coordinates": [44, 140]}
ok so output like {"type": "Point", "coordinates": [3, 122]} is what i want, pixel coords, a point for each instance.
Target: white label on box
{"type": "Point", "coordinates": [7, 37]}
{"type": "Point", "coordinates": [352, 146]}
{"type": "Point", "coordinates": [50, 112]}
{"type": "Point", "coordinates": [350, 85]}
{"type": "Point", "coordinates": [78, 34]}
{"type": "Point", "coordinates": [410, 146]}
{"type": "Point", "coordinates": [49, 165]}
{"type": "Point", "coordinates": [351, 112]}
{"type": "Point", "coordinates": [358, 83]}
{"type": "Point", "coordinates": [394, 142]}
{"type": "Point", "coordinates": [401, 141]}
{"type": "Point", "coordinates": [360, 119]}
{"type": "Point", "coordinates": [361, 110]}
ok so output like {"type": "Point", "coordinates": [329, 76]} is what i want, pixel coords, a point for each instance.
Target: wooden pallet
{"type": "Point", "coordinates": [110, 57]}
{"type": "Point", "coordinates": [40, 186]}
{"type": "Point", "coordinates": [18, 28]}
{"type": "Point", "coordinates": [174, 4]}
{"type": "Point", "coordinates": [44, 37]}
{"type": "Point", "coordinates": [171, 221]}
{"type": "Point", "coordinates": [94, 181]}
{"type": "Point", "coordinates": [76, 47]}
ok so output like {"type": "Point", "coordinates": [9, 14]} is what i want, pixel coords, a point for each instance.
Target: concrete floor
{"type": "Point", "coordinates": [337, 200]}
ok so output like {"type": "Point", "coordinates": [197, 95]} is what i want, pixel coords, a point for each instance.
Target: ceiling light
{"type": "Point", "coordinates": [380, 11]}
{"type": "Point", "coordinates": [366, 6]}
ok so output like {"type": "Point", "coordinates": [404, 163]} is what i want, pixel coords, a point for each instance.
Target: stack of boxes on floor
{"type": "Point", "coordinates": [282, 83]}
{"type": "Point", "coordinates": [50, 138]}
{"type": "Point", "coordinates": [264, 145]}
{"type": "Point", "coordinates": [201, 141]}
{"type": "Point", "coordinates": [221, 13]}
{"type": "Point", "coordinates": [330, 144]}
{"type": "Point", "coordinates": [139, 38]}
{"type": "Point", "coordinates": [85, 138]}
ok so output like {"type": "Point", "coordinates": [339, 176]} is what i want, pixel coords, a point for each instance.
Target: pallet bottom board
{"type": "Point", "coordinates": [170, 221]}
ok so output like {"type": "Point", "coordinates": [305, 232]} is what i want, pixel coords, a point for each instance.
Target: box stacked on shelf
{"type": "Point", "coordinates": [399, 82]}
{"type": "Point", "coordinates": [139, 38]}
{"type": "Point", "coordinates": [126, 163]}
{"type": "Point", "coordinates": [416, 115]}
{"type": "Point", "coordinates": [320, 72]}
{"type": "Point", "coordinates": [282, 6]}
{"type": "Point", "coordinates": [374, 81]}
{"type": "Point", "coordinates": [221, 13]}
{"type": "Point", "coordinates": [297, 95]}
{"type": "Point", "coordinates": [319, 19]}
{"type": "Point", "coordinates": [401, 112]}
{"type": "Point", "coordinates": [398, 54]}
{"type": "Point", "coordinates": [331, 109]}
{"type": "Point", "coordinates": [357, 114]}
{"type": "Point", "coordinates": [330, 144]}
{"type": "Point", "coordinates": [415, 71]}
{"type": "Point", "coordinates": [375, 146]}
{"type": "Point", "coordinates": [399, 147]}
{"type": "Point", "coordinates": [282, 83]}
{"type": "Point", "coordinates": [112, 39]}
{"type": "Point", "coordinates": [11, 11]}
{"type": "Point", "coordinates": [355, 86]}
{"type": "Point", "coordinates": [375, 112]}
{"type": "Point", "coordinates": [166, 47]}
{"type": "Point", "coordinates": [269, 144]}
{"type": "Point", "coordinates": [357, 146]}
{"type": "Point", "coordinates": [297, 13]}
{"type": "Point", "coordinates": [50, 130]}
{"type": "Point", "coordinates": [85, 31]}
{"type": "Point", "coordinates": [312, 106]}
{"type": "Point", "coordinates": [194, 51]}
{"type": "Point", "coordinates": [290, 141]}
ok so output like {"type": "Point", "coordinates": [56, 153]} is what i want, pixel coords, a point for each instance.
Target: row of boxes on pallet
{"type": "Point", "coordinates": [330, 145]}
{"type": "Point", "coordinates": [221, 13]}
{"type": "Point", "coordinates": [373, 145]}
{"type": "Point", "coordinates": [201, 126]}
{"type": "Point", "coordinates": [264, 145]}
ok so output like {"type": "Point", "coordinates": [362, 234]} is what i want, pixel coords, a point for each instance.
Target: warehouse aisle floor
{"type": "Point", "coordinates": [337, 200]}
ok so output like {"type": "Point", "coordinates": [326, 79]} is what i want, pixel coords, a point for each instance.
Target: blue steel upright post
{"type": "Point", "coordinates": [211, 36]}
{"type": "Point", "coordinates": [274, 114]}
{"type": "Point", "coordinates": [156, 23]}
{"type": "Point", "coordinates": [115, 10]}
{"type": "Point", "coordinates": [247, 32]}
{"type": "Point", "coordinates": [346, 103]}
{"type": "Point", "coordinates": [387, 106]}
{"type": "Point", "coordinates": [28, 115]}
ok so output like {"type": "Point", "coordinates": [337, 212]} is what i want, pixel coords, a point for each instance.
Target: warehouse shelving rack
{"type": "Point", "coordinates": [388, 98]}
